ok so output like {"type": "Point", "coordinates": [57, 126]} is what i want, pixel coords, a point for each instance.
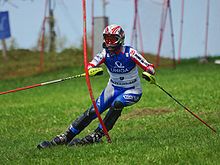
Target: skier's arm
{"type": "Point", "coordinates": [142, 62]}
{"type": "Point", "coordinates": [97, 60]}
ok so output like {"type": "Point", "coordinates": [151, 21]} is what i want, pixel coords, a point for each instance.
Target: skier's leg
{"type": "Point", "coordinates": [127, 98]}
{"type": "Point", "coordinates": [103, 103]}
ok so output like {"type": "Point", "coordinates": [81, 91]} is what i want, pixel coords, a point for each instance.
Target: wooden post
{"type": "Point", "coordinates": [4, 50]}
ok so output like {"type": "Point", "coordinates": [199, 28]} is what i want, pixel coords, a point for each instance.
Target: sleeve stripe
{"type": "Point", "coordinates": [102, 61]}
{"type": "Point", "coordinates": [140, 61]}
{"type": "Point", "coordinates": [144, 67]}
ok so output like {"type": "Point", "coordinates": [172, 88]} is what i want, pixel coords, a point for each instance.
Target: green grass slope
{"type": "Point", "coordinates": [154, 131]}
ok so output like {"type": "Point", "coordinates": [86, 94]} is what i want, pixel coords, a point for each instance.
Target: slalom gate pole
{"type": "Point", "coordinates": [172, 33]}
{"type": "Point", "coordinates": [42, 84]}
{"type": "Point", "coordinates": [87, 73]}
{"type": "Point", "coordinates": [162, 29]}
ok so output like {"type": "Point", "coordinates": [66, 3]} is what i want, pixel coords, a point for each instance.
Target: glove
{"type": "Point", "coordinates": [149, 77]}
{"type": "Point", "coordinates": [150, 69]}
{"type": "Point", "coordinates": [95, 71]}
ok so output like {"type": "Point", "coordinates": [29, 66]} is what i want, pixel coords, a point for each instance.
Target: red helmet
{"type": "Point", "coordinates": [113, 36]}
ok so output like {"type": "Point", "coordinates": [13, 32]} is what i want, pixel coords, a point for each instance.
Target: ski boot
{"type": "Point", "coordinates": [94, 137]}
{"type": "Point", "coordinates": [58, 140]}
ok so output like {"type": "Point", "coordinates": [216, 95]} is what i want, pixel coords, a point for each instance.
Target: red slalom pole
{"type": "Point", "coordinates": [172, 32]}
{"type": "Point", "coordinates": [20, 89]}
{"type": "Point", "coordinates": [162, 29]}
{"type": "Point", "coordinates": [42, 84]}
{"type": "Point", "coordinates": [87, 73]}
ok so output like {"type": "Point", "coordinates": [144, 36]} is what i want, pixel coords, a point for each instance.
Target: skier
{"type": "Point", "coordinates": [123, 88]}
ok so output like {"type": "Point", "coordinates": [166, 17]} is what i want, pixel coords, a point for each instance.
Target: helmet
{"type": "Point", "coordinates": [114, 37]}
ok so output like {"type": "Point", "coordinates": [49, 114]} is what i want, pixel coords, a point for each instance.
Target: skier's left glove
{"type": "Point", "coordinates": [150, 69]}
{"type": "Point", "coordinates": [148, 74]}
{"type": "Point", "coordinates": [149, 77]}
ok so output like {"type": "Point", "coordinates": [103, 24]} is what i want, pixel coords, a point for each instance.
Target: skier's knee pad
{"type": "Point", "coordinates": [90, 113]}
{"type": "Point", "coordinates": [118, 105]}
{"type": "Point", "coordinates": [113, 115]}
{"type": "Point", "coordinates": [82, 121]}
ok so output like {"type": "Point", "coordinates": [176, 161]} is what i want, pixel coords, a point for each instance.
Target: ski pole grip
{"type": "Point", "coordinates": [95, 71]}
{"type": "Point", "coordinates": [150, 78]}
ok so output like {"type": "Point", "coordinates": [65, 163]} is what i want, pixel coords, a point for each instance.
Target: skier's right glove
{"type": "Point", "coordinates": [149, 77]}
{"type": "Point", "coordinates": [94, 71]}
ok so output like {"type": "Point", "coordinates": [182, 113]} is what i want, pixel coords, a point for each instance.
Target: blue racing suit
{"type": "Point", "coordinates": [124, 82]}
{"type": "Point", "coordinates": [123, 88]}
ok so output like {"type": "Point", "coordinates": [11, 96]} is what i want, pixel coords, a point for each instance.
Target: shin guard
{"type": "Point", "coordinates": [112, 115]}
{"type": "Point", "coordinates": [80, 123]}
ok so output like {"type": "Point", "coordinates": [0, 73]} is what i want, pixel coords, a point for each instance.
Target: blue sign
{"type": "Point", "coordinates": [4, 25]}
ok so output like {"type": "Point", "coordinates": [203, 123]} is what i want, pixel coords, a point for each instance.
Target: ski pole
{"type": "Point", "coordinates": [152, 80]}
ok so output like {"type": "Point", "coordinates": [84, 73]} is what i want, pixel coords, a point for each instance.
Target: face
{"type": "Point", "coordinates": [111, 40]}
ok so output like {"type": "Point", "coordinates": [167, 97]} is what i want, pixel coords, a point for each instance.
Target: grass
{"type": "Point", "coordinates": [154, 131]}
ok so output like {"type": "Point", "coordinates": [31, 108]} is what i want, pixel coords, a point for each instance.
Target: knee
{"type": "Point", "coordinates": [91, 113]}
{"type": "Point", "coordinates": [118, 105]}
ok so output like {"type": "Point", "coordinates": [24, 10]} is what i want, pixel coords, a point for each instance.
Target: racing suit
{"type": "Point", "coordinates": [123, 88]}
